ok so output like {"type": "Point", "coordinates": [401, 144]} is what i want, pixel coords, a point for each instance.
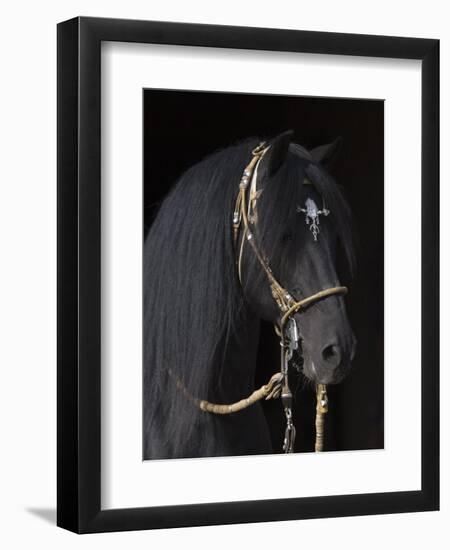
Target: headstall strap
{"type": "Point", "coordinates": [287, 330]}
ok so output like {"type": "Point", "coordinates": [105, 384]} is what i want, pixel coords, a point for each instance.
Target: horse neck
{"type": "Point", "coordinates": [240, 358]}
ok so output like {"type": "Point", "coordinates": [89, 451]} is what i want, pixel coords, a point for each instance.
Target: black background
{"type": "Point", "coordinates": [182, 127]}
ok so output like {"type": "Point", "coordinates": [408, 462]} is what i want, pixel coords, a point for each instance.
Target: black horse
{"type": "Point", "coordinates": [201, 322]}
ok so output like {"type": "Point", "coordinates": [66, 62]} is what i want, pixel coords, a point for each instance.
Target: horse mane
{"type": "Point", "coordinates": [193, 301]}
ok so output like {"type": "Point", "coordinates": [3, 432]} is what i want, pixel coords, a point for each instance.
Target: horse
{"type": "Point", "coordinates": [206, 291]}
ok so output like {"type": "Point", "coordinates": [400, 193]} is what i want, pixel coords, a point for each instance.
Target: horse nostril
{"type": "Point", "coordinates": [332, 355]}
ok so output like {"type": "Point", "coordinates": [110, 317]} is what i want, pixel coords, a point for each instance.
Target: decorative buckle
{"type": "Point", "coordinates": [312, 214]}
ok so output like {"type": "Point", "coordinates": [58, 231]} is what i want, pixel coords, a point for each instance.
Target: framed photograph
{"type": "Point", "coordinates": [248, 300]}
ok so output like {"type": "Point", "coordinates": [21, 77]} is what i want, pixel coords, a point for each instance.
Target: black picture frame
{"type": "Point", "coordinates": [79, 281]}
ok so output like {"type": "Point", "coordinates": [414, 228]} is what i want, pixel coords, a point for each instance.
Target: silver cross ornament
{"type": "Point", "coordinates": [312, 214]}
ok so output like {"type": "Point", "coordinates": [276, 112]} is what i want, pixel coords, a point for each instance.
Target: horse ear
{"type": "Point", "coordinates": [277, 152]}
{"type": "Point", "coordinates": [327, 154]}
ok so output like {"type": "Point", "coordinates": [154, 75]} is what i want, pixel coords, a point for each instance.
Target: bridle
{"type": "Point", "coordinates": [245, 214]}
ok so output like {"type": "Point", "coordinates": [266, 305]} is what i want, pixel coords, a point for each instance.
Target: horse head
{"type": "Point", "coordinates": [301, 223]}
